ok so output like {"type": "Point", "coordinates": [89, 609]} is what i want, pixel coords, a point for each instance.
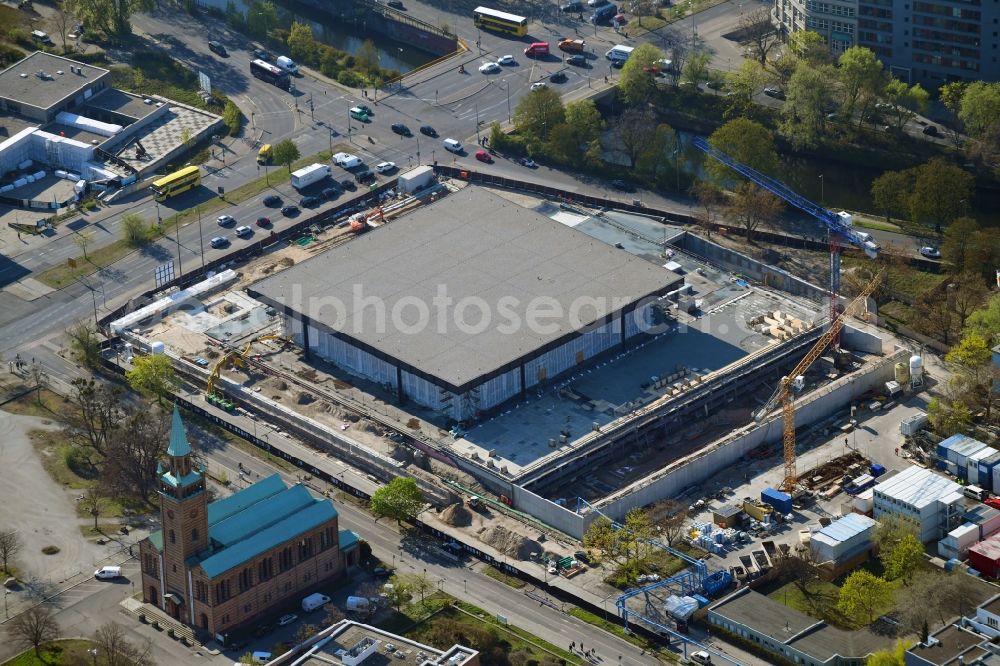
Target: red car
{"type": "Point", "coordinates": [263, 221]}
{"type": "Point", "coordinates": [484, 156]}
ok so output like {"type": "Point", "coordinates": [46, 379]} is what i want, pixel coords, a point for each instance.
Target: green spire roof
{"type": "Point", "coordinates": [178, 440]}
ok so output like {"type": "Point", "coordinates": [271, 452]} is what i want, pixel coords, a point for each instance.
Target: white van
{"type": "Point", "coordinates": [452, 146]}
{"type": "Point", "coordinates": [314, 601]}
{"type": "Point", "coordinates": [108, 573]}
{"type": "Point", "coordinates": [619, 53]}
{"type": "Point", "coordinates": [287, 64]}
{"type": "Point", "coordinates": [347, 160]}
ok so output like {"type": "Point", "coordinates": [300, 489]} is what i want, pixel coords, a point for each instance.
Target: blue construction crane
{"type": "Point", "coordinates": [838, 225]}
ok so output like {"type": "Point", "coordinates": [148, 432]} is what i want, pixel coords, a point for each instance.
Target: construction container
{"type": "Point", "coordinates": [986, 467]}
{"type": "Point", "coordinates": [987, 518]}
{"type": "Point", "coordinates": [972, 464]}
{"type": "Point", "coordinates": [843, 539]}
{"type": "Point", "coordinates": [757, 510]}
{"type": "Point", "coordinates": [958, 541]}
{"type": "Point", "coordinates": [985, 556]}
{"type": "Point", "coordinates": [728, 516]}
{"type": "Point", "coordinates": [416, 179]}
{"type": "Point", "coordinates": [779, 500]}
{"type": "Point", "coordinates": [957, 449]}
{"type": "Point", "coordinates": [865, 502]}
{"type": "Point", "coordinates": [912, 424]}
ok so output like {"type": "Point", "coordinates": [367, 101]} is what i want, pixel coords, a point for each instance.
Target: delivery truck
{"type": "Point", "coordinates": [314, 601]}
{"type": "Point", "coordinates": [308, 175]}
{"type": "Point", "coordinates": [358, 604]}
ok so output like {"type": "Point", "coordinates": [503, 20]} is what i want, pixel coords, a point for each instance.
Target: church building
{"type": "Point", "coordinates": [218, 565]}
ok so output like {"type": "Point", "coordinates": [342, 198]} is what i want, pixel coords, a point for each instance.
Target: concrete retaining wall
{"type": "Point", "coordinates": [726, 452]}
{"type": "Point", "coordinates": [550, 513]}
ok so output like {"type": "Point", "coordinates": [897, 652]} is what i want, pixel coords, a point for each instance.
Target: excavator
{"type": "Point", "coordinates": [237, 357]}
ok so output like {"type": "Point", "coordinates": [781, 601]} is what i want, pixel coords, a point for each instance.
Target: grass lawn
{"type": "Point", "coordinates": [62, 275]}
{"type": "Point", "coordinates": [894, 311]}
{"type": "Point", "coordinates": [45, 404]}
{"type": "Point", "coordinates": [820, 601]}
{"type": "Point", "coordinates": [70, 651]}
{"type": "Point", "coordinates": [496, 574]}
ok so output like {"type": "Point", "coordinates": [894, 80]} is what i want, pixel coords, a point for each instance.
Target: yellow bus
{"type": "Point", "coordinates": [177, 182]}
{"type": "Point", "coordinates": [264, 154]}
{"type": "Point", "coordinates": [491, 19]}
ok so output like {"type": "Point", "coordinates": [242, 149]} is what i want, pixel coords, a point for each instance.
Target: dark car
{"type": "Point", "coordinates": [272, 201]}
{"type": "Point", "coordinates": [400, 128]}
{"type": "Point", "coordinates": [263, 221]}
{"type": "Point", "coordinates": [427, 130]}
{"type": "Point", "coordinates": [348, 184]}
{"type": "Point", "coordinates": [218, 49]}
{"type": "Point", "coordinates": [384, 572]}
{"type": "Point", "coordinates": [311, 202]}
{"type": "Point", "coordinates": [622, 185]}
{"type": "Point", "coordinates": [930, 130]}
{"type": "Point", "coordinates": [331, 193]}
{"type": "Point", "coordinates": [577, 60]}
{"type": "Point", "coordinates": [290, 210]}
{"type": "Point", "coordinates": [572, 6]}
{"type": "Point", "coordinates": [261, 54]}
{"type": "Point", "coordinates": [776, 93]}
{"type": "Point", "coordinates": [367, 109]}
{"type": "Point", "coordinates": [558, 77]}
{"type": "Point", "coordinates": [396, 4]}
{"type": "Point", "coordinates": [365, 176]}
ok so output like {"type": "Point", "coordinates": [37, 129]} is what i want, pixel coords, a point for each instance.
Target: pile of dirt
{"type": "Point", "coordinates": [305, 398]}
{"type": "Point", "coordinates": [457, 515]}
{"type": "Point", "coordinates": [509, 543]}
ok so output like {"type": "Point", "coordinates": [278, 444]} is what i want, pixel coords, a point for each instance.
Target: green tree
{"type": "Point", "coordinates": [890, 192]}
{"type": "Point", "coordinates": [860, 75]}
{"type": "Point", "coordinates": [85, 343]}
{"type": "Point", "coordinates": [112, 17]}
{"type": "Point", "coordinates": [134, 229]}
{"type": "Point", "coordinates": [367, 57]}
{"type": "Point", "coordinates": [639, 528]}
{"type": "Point", "coordinates": [399, 594]}
{"type": "Point", "coordinates": [153, 374]}
{"type": "Point", "coordinates": [985, 322]}
{"type": "Point", "coordinates": [863, 594]}
{"type": "Point", "coordinates": [538, 113]}
{"type": "Point", "coordinates": [585, 120]}
{"type": "Point", "coordinates": [948, 416]}
{"type": "Point", "coordinates": [803, 115]}
{"type": "Point", "coordinates": [980, 107]}
{"type": "Point", "coordinates": [636, 82]}
{"type": "Point", "coordinates": [602, 536]}
{"type": "Point", "coordinates": [974, 360]}
{"type": "Point", "coordinates": [695, 70]}
{"type": "Point", "coordinates": [232, 117]}
{"type": "Point", "coordinates": [83, 239]}
{"type": "Point", "coordinates": [746, 141]}
{"type": "Point", "coordinates": [957, 246]}
{"type": "Point", "coordinates": [951, 97]}
{"type": "Point", "coordinates": [894, 657]}
{"type": "Point", "coordinates": [301, 43]}
{"type": "Point", "coordinates": [285, 152]}
{"type": "Point", "coordinates": [743, 84]}
{"type": "Point", "coordinates": [656, 158]}
{"type": "Point", "coordinates": [262, 17]}
{"type": "Point", "coordinates": [903, 558]}
{"type": "Point", "coordinates": [809, 46]}
{"type": "Point", "coordinates": [399, 499]}
{"type": "Point", "coordinates": [941, 191]}
{"type": "Point", "coordinates": [904, 101]}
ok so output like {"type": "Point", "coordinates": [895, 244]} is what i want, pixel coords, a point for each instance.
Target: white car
{"type": "Point", "coordinates": [489, 68]}
{"type": "Point", "coordinates": [538, 85]}
{"type": "Point", "coordinates": [244, 232]}
{"type": "Point", "coordinates": [287, 619]}
{"type": "Point", "coordinates": [701, 657]}
{"type": "Point", "coordinates": [506, 60]}
{"type": "Point", "coordinates": [930, 252]}
{"type": "Point", "coordinates": [108, 573]}
{"type": "Point", "coordinates": [385, 167]}
{"type": "Point", "coordinates": [225, 220]}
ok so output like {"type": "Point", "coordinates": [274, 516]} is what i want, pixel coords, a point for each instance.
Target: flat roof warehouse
{"type": "Point", "coordinates": [466, 287]}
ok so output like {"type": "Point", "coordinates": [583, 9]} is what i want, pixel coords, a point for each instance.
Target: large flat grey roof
{"type": "Point", "coordinates": [475, 245]}
{"type": "Point", "coordinates": [33, 91]}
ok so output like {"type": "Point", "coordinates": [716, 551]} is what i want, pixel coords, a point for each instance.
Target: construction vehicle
{"type": "Point", "coordinates": [237, 357]}
{"type": "Point", "coordinates": [785, 393]}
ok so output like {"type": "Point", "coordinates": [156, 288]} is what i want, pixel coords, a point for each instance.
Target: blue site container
{"type": "Point", "coordinates": [986, 466]}
{"type": "Point", "coordinates": [779, 500]}
{"type": "Point", "coordinates": [702, 601]}
{"type": "Point", "coordinates": [876, 470]}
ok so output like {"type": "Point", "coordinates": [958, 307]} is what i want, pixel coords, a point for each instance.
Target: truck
{"type": "Point", "coordinates": [308, 175]}
{"type": "Point", "coordinates": [619, 54]}
{"type": "Point", "coordinates": [314, 601]}
{"type": "Point", "coordinates": [358, 604]}
{"type": "Point", "coordinates": [572, 45]}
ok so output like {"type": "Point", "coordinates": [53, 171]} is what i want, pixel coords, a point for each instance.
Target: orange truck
{"type": "Point", "coordinates": [572, 45]}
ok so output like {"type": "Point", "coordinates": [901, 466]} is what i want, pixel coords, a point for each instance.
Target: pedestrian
{"type": "Point", "coordinates": [571, 644]}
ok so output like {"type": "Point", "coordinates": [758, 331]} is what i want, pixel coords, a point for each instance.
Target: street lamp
{"type": "Point", "coordinates": [506, 87]}
{"type": "Point", "coordinates": [822, 190]}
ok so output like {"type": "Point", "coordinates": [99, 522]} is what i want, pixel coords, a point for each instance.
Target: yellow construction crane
{"type": "Point", "coordinates": [784, 393]}
{"type": "Point", "coordinates": [236, 356]}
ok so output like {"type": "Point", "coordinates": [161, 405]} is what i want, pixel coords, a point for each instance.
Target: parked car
{"type": "Point", "coordinates": [506, 60]}
{"type": "Point", "coordinates": [622, 185]}
{"type": "Point", "coordinates": [218, 49]}
{"type": "Point", "coordinates": [382, 572]}
{"type": "Point", "coordinates": [427, 130]}
{"type": "Point", "coordinates": [776, 93]}
{"type": "Point", "coordinates": [930, 252]}
{"type": "Point", "coordinates": [385, 167]}
{"type": "Point", "coordinates": [226, 220]}
{"type": "Point", "coordinates": [286, 620]}
{"type": "Point", "coordinates": [331, 193]}
{"type": "Point", "coordinates": [558, 77]}
{"type": "Point", "coordinates": [400, 128]}
{"type": "Point", "coordinates": [530, 163]}
{"type": "Point", "coordinates": [348, 184]}
{"type": "Point", "coordinates": [930, 130]}
{"type": "Point", "coordinates": [538, 85]}
{"type": "Point", "coordinates": [484, 156]}
{"type": "Point", "coordinates": [108, 573]}
{"type": "Point", "coordinates": [572, 6]}
{"type": "Point", "coordinates": [261, 54]}
{"type": "Point", "coordinates": [577, 60]}
{"type": "Point", "coordinates": [272, 201]}
{"type": "Point", "coordinates": [701, 657]}
{"type": "Point", "coordinates": [365, 176]}
{"type": "Point", "coordinates": [263, 221]}
{"type": "Point", "coordinates": [290, 210]}
{"type": "Point", "coordinates": [489, 68]}
{"type": "Point", "coordinates": [311, 201]}
{"type": "Point", "coordinates": [244, 232]}
{"type": "Point", "coordinates": [396, 4]}
{"type": "Point", "coordinates": [219, 241]}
